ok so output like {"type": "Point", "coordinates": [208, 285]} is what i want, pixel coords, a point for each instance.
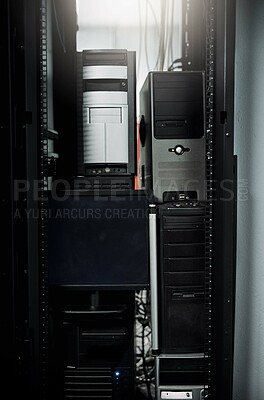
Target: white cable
{"type": "Point", "coordinates": [140, 38]}
{"type": "Point", "coordinates": [61, 36]}
{"type": "Point", "coordinates": [171, 32]}
{"type": "Point", "coordinates": [156, 29]}
{"type": "Point", "coordinates": [146, 36]}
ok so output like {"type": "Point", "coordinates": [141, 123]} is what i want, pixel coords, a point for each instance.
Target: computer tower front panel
{"type": "Point", "coordinates": [182, 277]}
{"type": "Point", "coordinates": [173, 135]}
{"type": "Point", "coordinates": [92, 346]}
{"type": "Point", "coordinates": [181, 377]}
{"type": "Point", "coordinates": [107, 120]}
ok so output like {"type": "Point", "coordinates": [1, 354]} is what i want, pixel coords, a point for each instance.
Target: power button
{"type": "Point", "coordinates": [179, 150]}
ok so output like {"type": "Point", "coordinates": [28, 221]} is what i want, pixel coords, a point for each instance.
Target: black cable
{"type": "Point", "coordinates": [144, 363]}
{"type": "Point", "coordinates": [144, 374]}
{"type": "Point", "coordinates": [172, 66]}
{"type": "Point", "coordinates": [177, 67]}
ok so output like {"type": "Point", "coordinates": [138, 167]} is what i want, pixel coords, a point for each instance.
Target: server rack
{"type": "Point", "coordinates": [224, 210]}
{"type": "Point", "coordinates": [219, 66]}
{"type": "Point", "coordinates": [88, 319]}
{"type": "Point", "coordinates": [218, 319]}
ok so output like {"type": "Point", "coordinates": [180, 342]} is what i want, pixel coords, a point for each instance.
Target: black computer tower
{"type": "Point", "coordinates": [182, 378]}
{"type": "Point", "coordinates": [182, 277]}
{"type": "Point", "coordinates": [181, 296]}
{"type": "Point", "coordinates": [91, 345]}
{"type": "Point", "coordinates": [97, 257]}
{"type": "Point", "coordinates": [172, 135]}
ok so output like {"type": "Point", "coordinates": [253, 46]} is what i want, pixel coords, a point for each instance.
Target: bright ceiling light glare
{"type": "Point", "coordinates": [101, 13]}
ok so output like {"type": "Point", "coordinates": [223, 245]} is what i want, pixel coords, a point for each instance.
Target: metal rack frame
{"type": "Point", "coordinates": [27, 325]}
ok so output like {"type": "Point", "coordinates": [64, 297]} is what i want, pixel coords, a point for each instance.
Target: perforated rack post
{"type": "Point", "coordinates": [210, 57]}
{"type": "Point", "coordinates": [43, 198]}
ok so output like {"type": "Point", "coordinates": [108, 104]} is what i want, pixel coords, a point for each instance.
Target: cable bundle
{"type": "Point", "coordinates": [163, 31]}
{"type": "Point", "coordinates": [144, 359]}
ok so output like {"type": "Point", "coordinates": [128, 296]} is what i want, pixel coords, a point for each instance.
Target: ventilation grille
{"type": "Point", "coordinates": [89, 383]}
{"type": "Point", "coordinates": [104, 184]}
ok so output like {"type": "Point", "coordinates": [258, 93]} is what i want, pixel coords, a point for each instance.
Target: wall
{"type": "Point", "coordinates": [249, 146]}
